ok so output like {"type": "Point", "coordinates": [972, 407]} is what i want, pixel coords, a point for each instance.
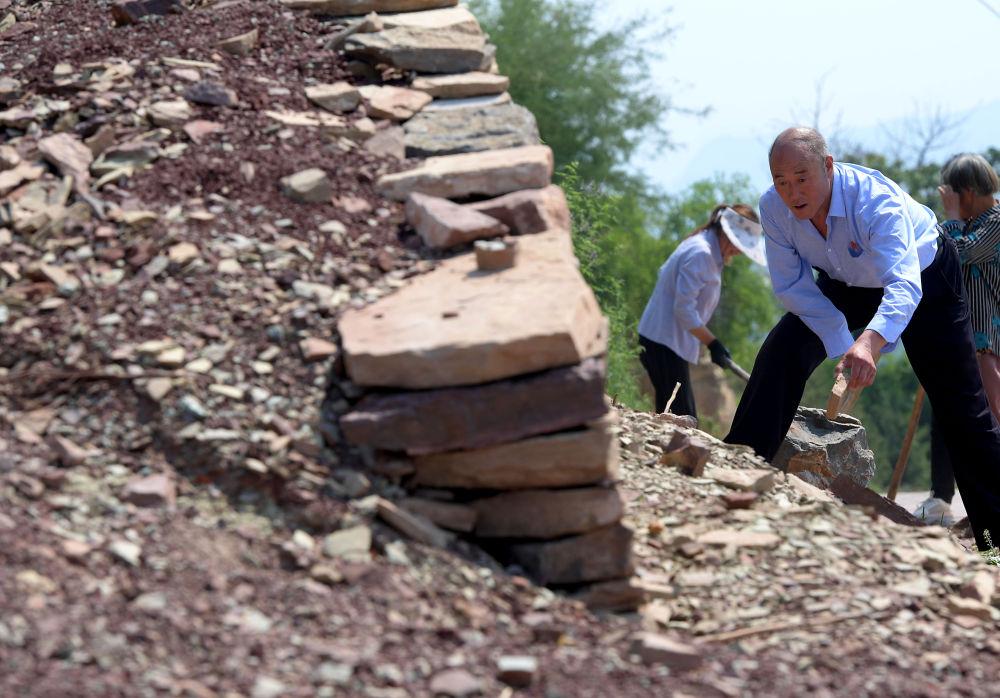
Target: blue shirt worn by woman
{"type": "Point", "coordinates": [877, 237]}
{"type": "Point", "coordinates": [686, 294]}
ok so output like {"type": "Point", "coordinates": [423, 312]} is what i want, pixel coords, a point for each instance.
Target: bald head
{"type": "Point", "coordinates": [806, 141]}
{"type": "Point", "coordinates": [802, 171]}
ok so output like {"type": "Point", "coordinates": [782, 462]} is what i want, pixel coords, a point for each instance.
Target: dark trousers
{"type": "Point", "coordinates": [666, 370]}
{"type": "Point", "coordinates": [938, 341]}
{"type": "Point", "coordinates": [942, 476]}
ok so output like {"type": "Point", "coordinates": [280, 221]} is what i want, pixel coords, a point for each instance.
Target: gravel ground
{"type": "Point", "coordinates": [173, 521]}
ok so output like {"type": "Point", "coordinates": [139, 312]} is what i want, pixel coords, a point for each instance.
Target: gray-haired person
{"type": "Point", "coordinates": [968, 194]}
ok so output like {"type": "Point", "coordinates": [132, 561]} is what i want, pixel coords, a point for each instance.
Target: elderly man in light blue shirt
{"type": "Point", "coordinates": [881, 268]}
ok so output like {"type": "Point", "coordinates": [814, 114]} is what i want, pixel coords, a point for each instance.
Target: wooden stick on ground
{"type": "Point", "coordinates": [904, 452]}
{"type": "Point", "coordinates": [781, 626]}
{"type": "Point", "coordinates": [673, 396]}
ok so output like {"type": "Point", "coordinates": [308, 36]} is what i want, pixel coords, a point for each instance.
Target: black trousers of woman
{"type": "Point", "coordinates": [938, 341]}
{"type": "Point", "coordinates": [666, 370]}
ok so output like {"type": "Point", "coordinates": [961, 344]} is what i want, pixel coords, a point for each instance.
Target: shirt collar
{"type": "Point", "coordinates": [713, 244]}
{"type": "Point", "coordinates": [837, 205]}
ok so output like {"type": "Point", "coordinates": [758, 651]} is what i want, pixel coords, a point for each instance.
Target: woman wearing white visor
{"type": "Point", "coordinates": [686, 294]}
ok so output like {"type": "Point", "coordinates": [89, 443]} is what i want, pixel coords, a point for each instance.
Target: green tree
{"type": "Point", "coordinates": [590, 88]}
{"type": "Point", "coordinates": [595, 223]}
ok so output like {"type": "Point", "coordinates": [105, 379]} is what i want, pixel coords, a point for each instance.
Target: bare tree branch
{"type": "Point", "coordinates": [929, 129]}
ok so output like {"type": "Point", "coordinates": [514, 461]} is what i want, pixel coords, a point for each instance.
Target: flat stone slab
{"type": "Point", "coordinates": [468, 130]}
{"type": "Point", "coordinates": [530, 211]}
{"type": "Point", "coordinates": [474, 84]}
{"type": "Point", "coordinates": [818, 449]}
{"type": "Point", "coordinates": [452, 49]}
{"type": "Point", "coordinates": [850, 492]}
{"type": "Point", "coordinates": [347, 8]}
{"type": "Point", "coordinates": [547, 514]}
{"type": "Point", "coordinates": [458, 17]}
{"type": "Point", "coordinates": [453, 419]}
{"type": "Point", "coordinates": [596, 556]}
{"type": "Point", "coordinates": [488, 173]}
{"type": "Point", "coordinates": [580, 457]}
{"type": "Point", "coordinates": [469, 102]}
{"type": "Point", "coordinates": [460, 326]}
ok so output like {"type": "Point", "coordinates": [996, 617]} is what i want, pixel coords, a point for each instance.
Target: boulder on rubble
{"type": "Point", "coordinates": [458, 326]}
{"type": "Point", "coordinates": [818, 449]}
{"type": "Point", "coordinates": [452, 419]}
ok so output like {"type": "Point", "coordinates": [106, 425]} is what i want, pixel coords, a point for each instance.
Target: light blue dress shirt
{"type": "Point", "coordinates": [686, 294]}
{"type": "Point", "coordinates": [877, 237]}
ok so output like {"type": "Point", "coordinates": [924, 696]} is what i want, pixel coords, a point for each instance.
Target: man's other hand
{"type": "Point", "coordinates": [860, 360]}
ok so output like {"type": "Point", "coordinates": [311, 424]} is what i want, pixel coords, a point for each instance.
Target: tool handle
{"type": "Point", "coordinates": [738, 370]}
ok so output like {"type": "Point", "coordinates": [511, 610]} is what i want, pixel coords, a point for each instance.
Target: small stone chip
{"type": "Point", "coordinates": [517, 670]}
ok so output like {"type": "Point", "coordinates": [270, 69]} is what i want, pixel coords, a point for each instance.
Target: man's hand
{"type": "Point", "coordinates": [859, 361]}
{"type": "Point", "coordinates": [949, 201]}
{"type": "Point", "coordinates": [720, 355]}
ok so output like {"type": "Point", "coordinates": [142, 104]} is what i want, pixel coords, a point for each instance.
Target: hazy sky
{"type": "Point", "coordinates": [757, 64]}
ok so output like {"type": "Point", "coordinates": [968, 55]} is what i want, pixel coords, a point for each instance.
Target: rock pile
{"type": "Point", "coordinates": [503, 422]}
{"type": "Point", "coordinates": [487, 377]}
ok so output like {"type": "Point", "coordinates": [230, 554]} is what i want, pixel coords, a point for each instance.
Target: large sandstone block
{"type": "Point", "coordinates": [474, 84]}
{"type": "Point", "coordinates": [451, 419]}
{"type": "Point", "coordinates": [459, 326]}
{"type": "Point", "coordinates": [442, 224]}
{"type": "Point", "coordinates": [424, 50]}
{"type": "Point", "coordinates": [346, 8]}
{"type": "Point", "coordinates": [566, 459]}
{"type": "Point", "coordinates": [595, 556]}
{"type": "Point", "coordinates": [438, 132]}
{"type": "Point", "coordinates": [547, 514]}
{"type": "Point", "coordinates": [530, 211]}
{"type": "Point", "coordinates": [818, 449]}
{"type": "Point", "coordinates": [489, 173]}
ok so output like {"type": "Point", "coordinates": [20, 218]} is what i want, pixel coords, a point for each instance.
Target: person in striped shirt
{"type": "Point", "coordinates": [968, 194]}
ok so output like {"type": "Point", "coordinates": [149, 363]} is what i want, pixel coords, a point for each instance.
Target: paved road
{"type": "Point", "coordinates": [910, 500]}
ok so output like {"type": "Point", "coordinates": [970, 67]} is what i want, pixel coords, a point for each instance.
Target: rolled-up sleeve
{"type": "Point", "coordinates": [892, 243]}
{"type": "Point", "coordinates": [797, 291]}
{"type": "Point", "coordinates": [694, 272]}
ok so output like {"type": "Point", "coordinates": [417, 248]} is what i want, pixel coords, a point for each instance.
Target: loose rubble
{"type": "Point", "coordinates": [180, 507]}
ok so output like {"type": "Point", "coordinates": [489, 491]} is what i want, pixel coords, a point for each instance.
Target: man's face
{"type": "Point", "coordinates": [801, 179]}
